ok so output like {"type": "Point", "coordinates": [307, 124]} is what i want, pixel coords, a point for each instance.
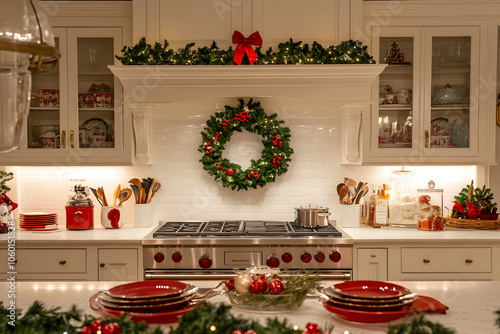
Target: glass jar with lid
{"type": "Point", "coordinates": [430, 202]}
{"type": "Point", "coordinates": [403, 202]}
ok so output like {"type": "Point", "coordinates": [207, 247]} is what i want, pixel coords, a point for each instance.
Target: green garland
{"type": "Point", "coordinates": [4, 178]}
{"type": "Point", "coordinates": [290, 52]}
{"type": "Point", "coordinates": [250, 117]}
{"type": "Point", "coordinates": [419, 325]}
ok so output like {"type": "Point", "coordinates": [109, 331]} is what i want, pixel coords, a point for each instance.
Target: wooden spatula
{"type": "Point", "coordinates": [116, 194]}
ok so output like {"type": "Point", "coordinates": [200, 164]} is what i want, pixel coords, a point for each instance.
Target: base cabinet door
{"type": "Point", "coordinates": [118, 264]}
{"type": "Point", "coordinates": [372, 264]}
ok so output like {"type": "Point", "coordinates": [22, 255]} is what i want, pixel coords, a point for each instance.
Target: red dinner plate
{"type": "Point", "coordinates": [370, 289]}
{"type": "Point", "coordinates": [147, 289]}
{"type": "Point", "coordinates": [366, 316]}
{"type": "Point", "coordinates": [150, 318]}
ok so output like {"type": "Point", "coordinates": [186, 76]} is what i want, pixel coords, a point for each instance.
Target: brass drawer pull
{"type": "Point", "coordinates": [468, 261]}
{"type": "Point", "coordinates": [426, 139]}
{"type": "Point", "coordinates": [72, 139]}
{"type": "Point", "coordinates": [373, 255]}
{"type": "Point", "coordinates": [62, 262]}
{"type": "Point", "coordinates": [427, 261]}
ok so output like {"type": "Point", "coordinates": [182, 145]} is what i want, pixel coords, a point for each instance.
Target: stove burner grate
{"type": "Point", "coordinates": [242, 228]}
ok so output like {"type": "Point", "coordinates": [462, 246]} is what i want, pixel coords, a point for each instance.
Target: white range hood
{"type": "Point", "coordinates": [350, 88]}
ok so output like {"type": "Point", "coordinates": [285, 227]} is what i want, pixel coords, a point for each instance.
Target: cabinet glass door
{"type": "Point", "coordinates": [96, 123]}
{"type": "Point", "coordinates": [450, 92]}
{"type": "Point", "coordinates": [95, 93]}
{"type": "Point", "coordinates": [453, 67]}
{"type": "Point", "coordinates": [395, 120]}
{"type": "Point", "coordinates": [48, 98]}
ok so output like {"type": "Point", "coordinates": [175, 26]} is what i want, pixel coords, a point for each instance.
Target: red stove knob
{"type": "Point", "coordinates": [177, 257]}
{"type": "Point", "coordinates": [287, 257]}
{"type": "Point", "coordinates": [205, 262]}
{"type": "Point", "coordinates": [320, 257]}
{"type": "Point", "coordinates": [159, 257]}
{"type": "Point", "coordinates": [306, 257]}
{"type": "Point", "coordinates": [335, 256]}
{"type": "Point", "coordinates": [273, 262]}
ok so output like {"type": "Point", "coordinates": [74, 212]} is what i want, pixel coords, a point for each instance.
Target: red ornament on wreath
{"type": "Point", "coordinates": [245, 46]}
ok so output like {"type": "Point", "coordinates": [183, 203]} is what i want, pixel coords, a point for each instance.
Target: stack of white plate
{"type": "Point", "coordinates": [156, 301]}
{"type": "Point", "coordinates": [38, 221]}
{"type": "Point", "coordinates": [368, 301]}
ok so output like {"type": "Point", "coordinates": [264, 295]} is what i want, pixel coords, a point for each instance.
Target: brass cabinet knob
{"type": "Point", "coordinates": [101, 265]}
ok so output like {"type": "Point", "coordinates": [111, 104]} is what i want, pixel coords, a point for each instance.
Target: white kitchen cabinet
{"type": "Point", "coordinates": [118, 264]}
{"type": "Point", "coordinates": [76, 115]}
{"type": "Point", "coordinates": [372, 264]}
{"type": "Point", "coordinates": [444, 121]}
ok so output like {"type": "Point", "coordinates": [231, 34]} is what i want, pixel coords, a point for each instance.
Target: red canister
{"type": "Point", "coordinates": [80, 211]}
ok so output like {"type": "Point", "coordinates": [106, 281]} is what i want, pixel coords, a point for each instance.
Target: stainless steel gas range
{"type": "Point", "coordinates": [207, 250]}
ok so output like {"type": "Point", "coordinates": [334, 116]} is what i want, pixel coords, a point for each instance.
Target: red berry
{"type": "Point", "coordinates": [96, 325]}
{"type": "Point", "coordinates": [231, 280]}
{"type": "Point", "coordinates": [230, 171]}
{"type": "Point", "coordinates": [252, 173]}
{"type": "Point", "coordinates": [87, 330]}
{"type": "Point", "coordinates": [250, 332]}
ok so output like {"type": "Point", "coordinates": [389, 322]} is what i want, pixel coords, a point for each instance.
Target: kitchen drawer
{"type": "Point", "coordinates": [50, 261]}
{"type": "Point", "coordinates": [446, 260]}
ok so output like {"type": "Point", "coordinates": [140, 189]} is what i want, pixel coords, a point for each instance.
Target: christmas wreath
{"type": "Point", "coordinates": [250, 117]}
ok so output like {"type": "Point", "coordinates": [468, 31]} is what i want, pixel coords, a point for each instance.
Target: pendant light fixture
{"type": "Point", "coordinates": [26, 46]}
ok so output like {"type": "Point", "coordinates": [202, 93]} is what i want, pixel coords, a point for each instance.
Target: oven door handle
{"type": "Point", "coordinates": [187, 276]}
{"type": "Point", "coordinates": [343, 276]}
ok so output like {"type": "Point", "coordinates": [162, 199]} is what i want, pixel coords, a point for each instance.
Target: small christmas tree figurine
{"type": "Point", "coordinates": [395, 55]}
{"type": "Point", "coordinates": [475, 203]}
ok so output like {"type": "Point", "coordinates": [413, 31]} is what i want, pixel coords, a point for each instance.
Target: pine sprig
{"type": "Point", "coordinates": [498, 318]}
{"type": "Point", "coordinates": [419, 325]}
{"type": "Point", "coordinates": [296, 288]}
{"type": "Point", "coordinates": [4, 178]}
{"type": "Point", "coordinates": [289, 52]}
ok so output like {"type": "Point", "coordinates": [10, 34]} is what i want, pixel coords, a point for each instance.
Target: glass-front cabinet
{"type": "Point", "coordinates": [75, 114]}
{"type": "Point", "coordinates": [427, 96]}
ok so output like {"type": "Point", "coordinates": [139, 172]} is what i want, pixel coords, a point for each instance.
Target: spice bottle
{"type": "Point", "coordinates": [371, 207]}
{"type": "Point", "coordinates": [381, 207]}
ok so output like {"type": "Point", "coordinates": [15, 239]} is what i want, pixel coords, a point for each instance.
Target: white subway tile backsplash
{"type": "Point", "coordinates": [188, 192]}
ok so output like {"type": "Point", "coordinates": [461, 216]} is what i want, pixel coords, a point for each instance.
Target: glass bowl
{"type": "Point", "coordinates": [266, 302]}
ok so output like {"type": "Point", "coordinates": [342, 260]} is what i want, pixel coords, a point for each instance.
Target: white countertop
{"type": "Point", "coordinates": [402, 235]}
{"type": "Point", "coordinates": [472, 304]}
{"type": "Point", "coordinates": [126, 234]}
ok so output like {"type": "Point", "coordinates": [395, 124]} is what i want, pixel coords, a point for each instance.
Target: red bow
{"type": "Point", "coordinates": [245, 47]}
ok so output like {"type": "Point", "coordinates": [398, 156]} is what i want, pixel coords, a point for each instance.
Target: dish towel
{"type": "Point", "coordinates": [429, 304]}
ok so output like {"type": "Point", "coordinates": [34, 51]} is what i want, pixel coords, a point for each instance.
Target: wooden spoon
{"type": "Point", "coordinates": [155, 187]}
{"type": "Point", "coordinates": [102, 196]}
{"type": "Point", "coordinates": [136, 182]}
{"type": "Point", "coordinates": [116, 194]}
{"type": "Point", "coordinates": [124, 195]}
{"type": "Point", "coordinates": [150, 190]}
{"type": "Point", "coordinates": [136, 192]}
{"type": "Point", "coordinates": [343, 194]}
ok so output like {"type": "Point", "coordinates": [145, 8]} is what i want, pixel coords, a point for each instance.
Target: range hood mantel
{"type": "Point", "coordinates": [348, 88]}
{"type": "Point", "coordinates": [326, 83]}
